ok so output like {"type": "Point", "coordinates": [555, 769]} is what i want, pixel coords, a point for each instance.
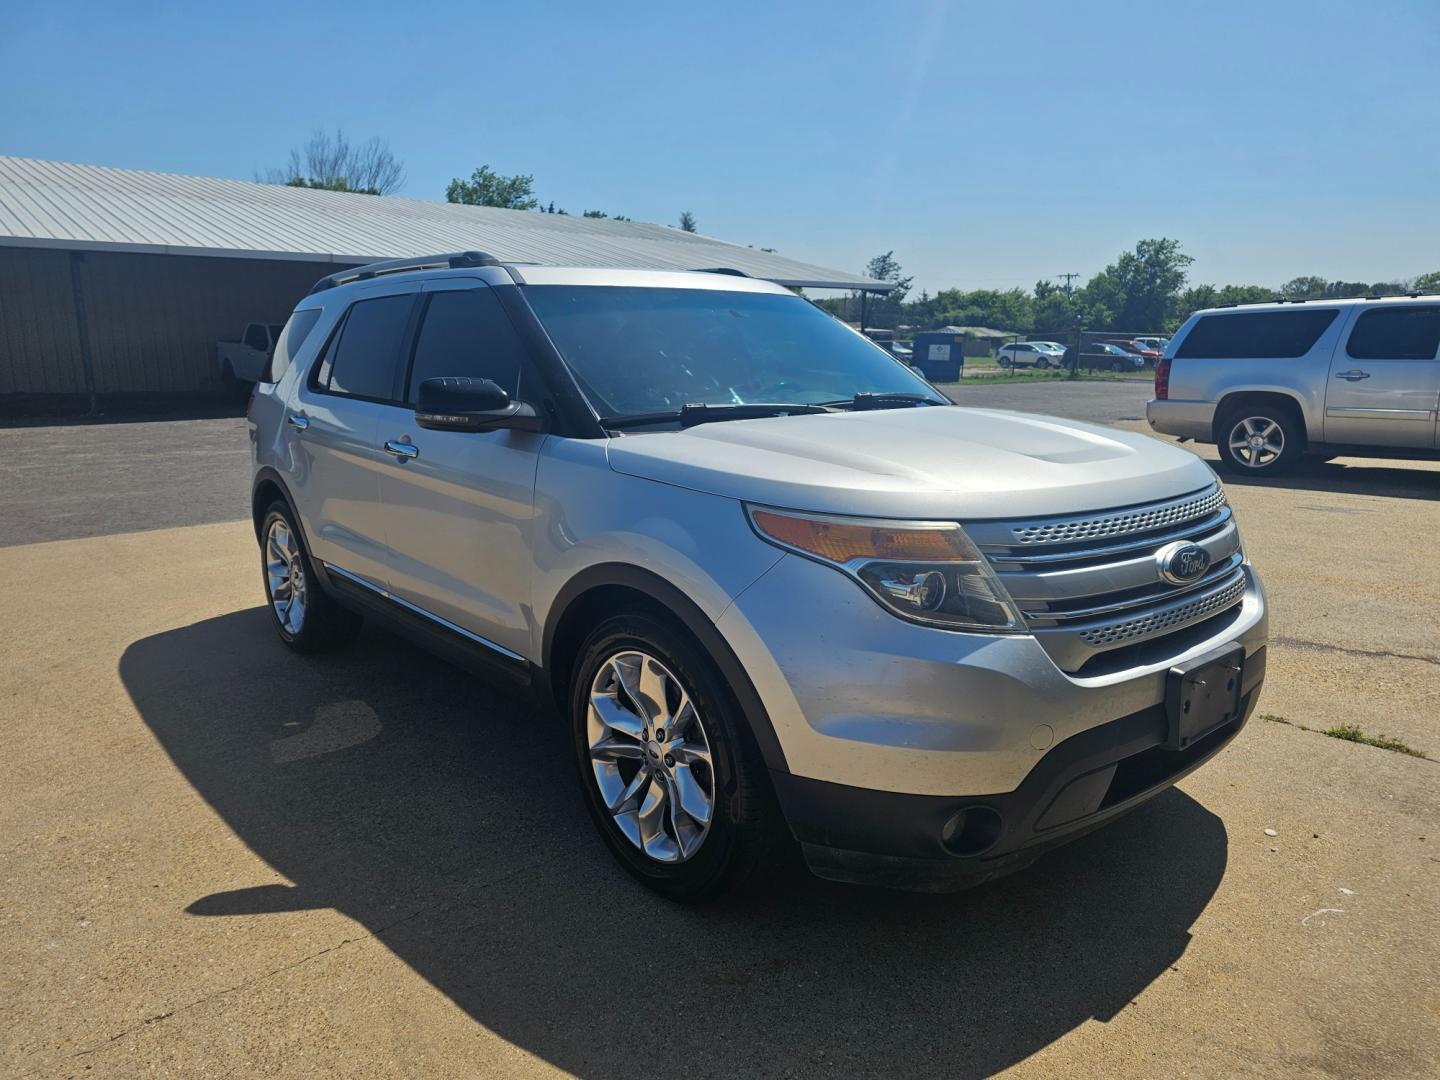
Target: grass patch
{"type": "Point", "coordinates": [1351, 733]}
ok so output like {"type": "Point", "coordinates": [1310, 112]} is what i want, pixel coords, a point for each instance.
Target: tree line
{"type": "Point", "coordinates": [1143, 291]}
{"type": "Point", "coordinates": [331, 162]}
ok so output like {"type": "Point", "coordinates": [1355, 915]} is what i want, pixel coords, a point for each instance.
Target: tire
{"type": "Point", "coordinates": [1005, 362]}
{"type": "Point", "coordinates": [320, 624]}
{"type": "Point", "coordinates": [1116, 365]}
{"type": "Point", "coordinates": [1281, 435]}
{"type": "Point", "coordinates": [628, 785]}
{"type": "Point", "coordinates": [1042, 363]}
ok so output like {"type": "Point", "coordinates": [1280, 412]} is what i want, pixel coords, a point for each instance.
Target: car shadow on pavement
{"type": "Point", "coordinates": [447, 820]}
{"type": "Point", "coordinates": [1358, 476]}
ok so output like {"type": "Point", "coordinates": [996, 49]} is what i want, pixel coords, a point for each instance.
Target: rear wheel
{"type": "Point", "coordinates": [1005, 362]}
{"type": "Point", "coordinates": [672, 780]}
{"type": "Point", "coordinates": [305, 617]}
{"type": "Point", "coordinates": [1260, 440]}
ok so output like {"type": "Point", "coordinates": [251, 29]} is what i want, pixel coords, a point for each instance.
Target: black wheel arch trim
{"type": "Point", "coordinates": [693, 619]}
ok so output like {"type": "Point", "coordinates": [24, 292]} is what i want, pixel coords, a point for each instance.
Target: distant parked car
{"type": "Point", "coordinates": [1156, 343]}
{"type": "Point", "coordinates": [1136, 347]}
{"type": "Point", "coordinates": [1102, 354]}
{"type": "Point", "coordinates": [1037, 354]}
{"type": "Point", "coordinates": [244, 361]}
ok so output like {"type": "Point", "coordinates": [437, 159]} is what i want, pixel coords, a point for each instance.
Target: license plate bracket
{"type": "Point", "coordinates": [1203, 694]}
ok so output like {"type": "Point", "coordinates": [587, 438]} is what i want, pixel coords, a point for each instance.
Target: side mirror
{"type": "Point", "coordinates": [461, 404]}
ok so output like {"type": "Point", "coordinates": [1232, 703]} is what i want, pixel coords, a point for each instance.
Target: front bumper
{"type": "Point", "coordinates": [900, 841]}
{"type": "Point", "coordinates": [861, 698]}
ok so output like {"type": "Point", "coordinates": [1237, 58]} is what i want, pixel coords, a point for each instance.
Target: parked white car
{"type": "Point", "coordinates": [1037, 354]}
{"type": "Point", "coordinates": [244, 361]}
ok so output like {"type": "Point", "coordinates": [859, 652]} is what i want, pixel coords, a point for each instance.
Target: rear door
{"type": "Point", "coordinates": [1384, 386]}
{"type": "Point", "coordinates": [458, 505]}
{"type": "Point", "coordinates": [333, 431]}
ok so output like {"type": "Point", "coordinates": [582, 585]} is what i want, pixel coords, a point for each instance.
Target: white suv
{"type": "Point", "coordinates": [775, 584]}
{"type": "Point", "coordinates": [1269, 383]}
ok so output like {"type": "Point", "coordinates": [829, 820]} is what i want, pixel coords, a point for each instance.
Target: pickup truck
{"type": "Point", "coordinates": [244, 361]}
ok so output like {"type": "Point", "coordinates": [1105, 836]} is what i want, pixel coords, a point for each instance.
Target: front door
{"type": "Point", "coordinates": [333, 431]}
{"type": "Point", "coordinates": [1384, 386]}
{"type": "Point", "coordinates": [458, 505]}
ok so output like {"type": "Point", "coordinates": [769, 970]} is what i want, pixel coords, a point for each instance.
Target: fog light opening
{"type": "Point", "coordinates": [973, 831]}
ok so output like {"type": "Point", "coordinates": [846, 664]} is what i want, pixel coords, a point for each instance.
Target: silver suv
{"type": "Point", "coordinates": [1270, 383]}
{"type": "Point", "coordinates": [775, 584]}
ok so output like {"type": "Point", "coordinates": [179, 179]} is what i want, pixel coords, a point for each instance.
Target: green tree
{"type": "Point", "coordinates": [1141, 289]}
{"type": "Point", "coordinates": [1426, 282]}
{"type": "Point", "coordinates": [886, 268]}
{"type": "Point", "coordinates": [489, 188]}
{"type": "Point", "coordinates": [687, 221]}
{"type": "Point", "coordinates": [1305, 287]}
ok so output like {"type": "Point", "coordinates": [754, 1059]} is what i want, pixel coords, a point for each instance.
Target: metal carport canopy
{"type": "Point", "coordinates": [51, 204]}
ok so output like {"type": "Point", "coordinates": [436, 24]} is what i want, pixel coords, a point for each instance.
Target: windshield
{"type": "Point", "coordinates": [648, 350]}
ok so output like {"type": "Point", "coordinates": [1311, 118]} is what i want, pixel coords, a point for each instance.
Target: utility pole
{"type": "Point", "coordinates": [1069, 288]}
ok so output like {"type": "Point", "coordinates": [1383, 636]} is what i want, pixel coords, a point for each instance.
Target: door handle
{"type": "Point", "coordinates": [1353, 375]}
{"type": "Point", "coordinates": [403, 451]}
{"type": "Point", "coordinates": [299, 423]}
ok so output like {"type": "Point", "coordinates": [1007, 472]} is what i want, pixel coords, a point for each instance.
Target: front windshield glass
{"type": "Point", "coordinates": [649, 350]}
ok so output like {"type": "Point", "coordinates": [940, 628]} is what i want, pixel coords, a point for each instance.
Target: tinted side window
{"type": "Point", "coordinates": [256, 337]}
{"type": "Point", "coordinates": [288, 342]}
{"type": "Point", "coordinates": [1396, 333]}
{"type": "Point", "coordinates": [363, 362]}
{"type": "Point", "coordinates": [1256, 334]}
{"type": "Point", "coordinates": [466, 333]}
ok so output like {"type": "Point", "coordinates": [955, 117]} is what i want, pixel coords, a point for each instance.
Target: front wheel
{"type": "Point", "coordinates": [671, 777]}
{"type": "Point", "coordinates": [1261, 440]}
{"type": "Point", "coordinates": [306, 619]}
{"type": "Point", "coordinates": [1042, 363]}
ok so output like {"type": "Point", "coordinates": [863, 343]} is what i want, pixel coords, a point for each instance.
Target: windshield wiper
{"type": "Point", "coordinates": [898, 400]}
{"type": "Point", "coordinates": [703, 413]}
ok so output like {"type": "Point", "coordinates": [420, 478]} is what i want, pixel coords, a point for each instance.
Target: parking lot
{"type": "Point", "coordinates": [221, 857]}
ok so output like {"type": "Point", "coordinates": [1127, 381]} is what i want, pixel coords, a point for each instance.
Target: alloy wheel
{"type": "Point", "coordinates": [285, 576]}
{"type": "Point", "coordinates": [1257, 441]}
{"type": "Point", "coordinates": [650, 756]}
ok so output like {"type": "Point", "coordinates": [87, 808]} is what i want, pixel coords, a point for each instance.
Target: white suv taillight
{"type": "Point", "coordinates": [1162, 378]}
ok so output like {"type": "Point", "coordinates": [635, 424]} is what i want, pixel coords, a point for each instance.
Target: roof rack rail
{"type": "Point", "coordinates": [454, 260]}
{"type": "Point", "coordinates": [729, 270]}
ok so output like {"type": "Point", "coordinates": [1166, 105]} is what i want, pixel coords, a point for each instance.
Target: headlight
{"type": "Point", "coordinates": [927, 572]}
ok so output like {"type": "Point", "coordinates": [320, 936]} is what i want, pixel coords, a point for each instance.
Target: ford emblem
{"type": "Point", "coordinates": [1182, 562]}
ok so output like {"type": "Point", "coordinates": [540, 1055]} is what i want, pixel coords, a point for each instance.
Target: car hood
{"type": "Point", "coordinates": [938, 462]}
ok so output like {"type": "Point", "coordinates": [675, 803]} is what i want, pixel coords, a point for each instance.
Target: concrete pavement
{"type": "Point", "coordinates": [224, 859]}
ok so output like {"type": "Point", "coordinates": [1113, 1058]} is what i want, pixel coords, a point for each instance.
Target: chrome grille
{"type": "Point", "coordinates": [1157, 621]}
{"type": "Point", "coordinates": [1095, 584]}
{"type": "Point", "coordinates": [1141, 519]}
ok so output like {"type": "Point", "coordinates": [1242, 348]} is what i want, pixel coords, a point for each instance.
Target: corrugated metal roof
{"type": "Point", "coordinates": [54, 204]}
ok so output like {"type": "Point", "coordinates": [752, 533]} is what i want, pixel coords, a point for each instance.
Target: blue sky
{"type": "Point", "coordinates": [988, 144]}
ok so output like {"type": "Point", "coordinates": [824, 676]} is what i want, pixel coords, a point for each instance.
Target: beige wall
{"type": "Point", "coordinates": [153, 320]}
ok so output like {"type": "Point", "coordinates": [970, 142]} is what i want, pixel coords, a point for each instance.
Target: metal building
{"type": "Point", "coordinates": [114, 281]}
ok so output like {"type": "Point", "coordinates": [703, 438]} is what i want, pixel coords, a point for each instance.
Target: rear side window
{"type": "Point", "coordinates": [1396, 333]}
{"type": "Point", "coordinates": [466, 333]}
{"type": "Point", "coordinates": [256, 337]}
{"type": "Point", "coordinates": [1256, 334]}
{"type": "Point", "coordinates": [363, 360]}
{"type": "Point", "coordinates": [288, 342]}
